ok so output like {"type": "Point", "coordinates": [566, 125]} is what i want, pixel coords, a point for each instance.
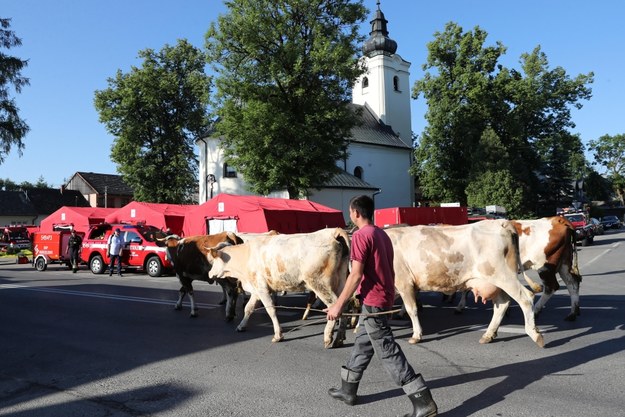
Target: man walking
{"type": "Point", "coordinates": [372, 276]}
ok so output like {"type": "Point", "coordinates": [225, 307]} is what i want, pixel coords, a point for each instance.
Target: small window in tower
{"type": "Point", "coordinates": [396, 83]}
{"type": "Point", "coordinates": [229, 172]}
{"type": "Point", "coordinates": [358, 172]}
{"type": "Point", "coordinates": [365, 82]}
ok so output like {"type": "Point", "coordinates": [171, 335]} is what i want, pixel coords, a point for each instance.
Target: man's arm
{"type": "Point", "coordinates": [351, 285]}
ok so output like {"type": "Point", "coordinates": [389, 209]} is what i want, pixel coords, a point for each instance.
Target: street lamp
{"type": "Point", "coordinates": [210, 180]}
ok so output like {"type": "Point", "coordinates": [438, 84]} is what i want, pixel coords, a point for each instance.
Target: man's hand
{"type": "Point", "coordinates": [333, 312]}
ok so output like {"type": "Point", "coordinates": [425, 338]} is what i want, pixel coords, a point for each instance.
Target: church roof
{"type": "Point", "coordinates": [373, 131]}
{"type": "Point", "coordinates": [379, 42]}
{"type": "Point", "coordinates": [345, 180]}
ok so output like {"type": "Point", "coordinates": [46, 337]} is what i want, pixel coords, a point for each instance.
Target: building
{"type": "Point", "coordinates": [380, 150]}
{"type": "Point", "coordinates": [101, 190]}
{"type": "Point", "coordinates": [30, 207]}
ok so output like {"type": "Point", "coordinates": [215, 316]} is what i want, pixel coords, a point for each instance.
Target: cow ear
{"type": "Point", "coordinates": [214, 253]}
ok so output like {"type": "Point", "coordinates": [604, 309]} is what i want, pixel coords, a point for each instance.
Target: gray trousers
{"type": "Point", "coordinates": [375, 336]}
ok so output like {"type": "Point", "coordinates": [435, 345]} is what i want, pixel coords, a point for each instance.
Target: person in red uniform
{"type": "Point", "coordinates": [372, 277]}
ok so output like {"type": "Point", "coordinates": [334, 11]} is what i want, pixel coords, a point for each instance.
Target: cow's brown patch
{"type": "Point", "coordinates": [486, 268]}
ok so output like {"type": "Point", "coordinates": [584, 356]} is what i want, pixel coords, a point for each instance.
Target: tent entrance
{"type": "Point", "coordinates": [217, 225]}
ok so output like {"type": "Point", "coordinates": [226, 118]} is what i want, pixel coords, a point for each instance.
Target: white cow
{"type": "Point", "coordinates": [482, 257]}
{"type": "Point", "coordinates": [315, 261]}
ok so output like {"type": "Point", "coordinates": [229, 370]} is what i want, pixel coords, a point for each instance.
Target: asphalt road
{"type": "Point", "coordinates": [87, 345]}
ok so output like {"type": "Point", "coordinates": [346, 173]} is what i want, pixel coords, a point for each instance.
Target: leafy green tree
{"type": "Point", "coordinates": [155, 113]}
{"type": "Point", "coordinates": [609, 152]}
{"type": "Point", "coordinates": [497, 188]}
{"type": "Point", "coordinates": [284, 73]}
{"type": "Point", "coordinates": [485, 118]}
{"type": "Point", "coordinates": [12, 128]}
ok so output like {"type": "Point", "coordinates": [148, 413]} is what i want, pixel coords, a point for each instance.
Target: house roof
{"type": "Point", "coordinates": [373, 131]}
{"type": "Point", "coordinates": [38, 201]}
{"type": "Point", "coordinates": [346, 180]}
{"type": "Point", "coordinates": [106, 183]}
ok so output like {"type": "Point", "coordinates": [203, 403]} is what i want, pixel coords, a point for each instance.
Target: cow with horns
{"type": "Point", "coordinates": [482, 257]}
{"type": "Point", "coordinates": [188, 256]}
{"type": "Point", "coordinates": [316, 261]}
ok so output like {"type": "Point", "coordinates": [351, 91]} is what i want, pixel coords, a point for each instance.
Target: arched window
{"type": "Point", "coordinates": [229, 172]}
{"type": "Point", "coordinates": [365, 82]}
{"type": "Point", "coordinates": [396, 83]}
{"type": "Point", "coordinates": [358, 172]}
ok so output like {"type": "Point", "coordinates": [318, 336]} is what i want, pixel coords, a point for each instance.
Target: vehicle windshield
{"type": "Point", "coordinates": [610, 218]}
{"type": "Point", "coordinates": [152, 234]}
{"type": "Point", "coordinates": [575, 218]}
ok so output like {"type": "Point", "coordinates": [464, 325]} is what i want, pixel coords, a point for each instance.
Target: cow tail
{"type": "Point", "coordinates": [575, 266]}
{"type": "Point", "coordinates": [343, 238]}
{"type": "Point", "coordinates": [510, 227]}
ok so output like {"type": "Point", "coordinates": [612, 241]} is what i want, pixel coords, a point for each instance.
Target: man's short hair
{"type": "Point", "coordinates": [364, 205]}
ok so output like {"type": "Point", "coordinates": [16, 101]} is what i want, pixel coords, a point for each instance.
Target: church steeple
{"type": "Point", "coordinates": [379, 42]}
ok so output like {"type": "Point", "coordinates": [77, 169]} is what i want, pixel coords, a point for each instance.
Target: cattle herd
{"type": "Point", "coordinates": [486, 258]}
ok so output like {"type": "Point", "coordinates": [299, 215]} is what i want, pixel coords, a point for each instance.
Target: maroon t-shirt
{"type": "Point", "coordinates": [372, 247]}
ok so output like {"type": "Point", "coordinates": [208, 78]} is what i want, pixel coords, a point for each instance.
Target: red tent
{"type": "Point", "coordinates": [164, 216]}
{"type": "Point", "coordinates": [81, 218]}
{"type": "Point", "coordinates": [253, 214]}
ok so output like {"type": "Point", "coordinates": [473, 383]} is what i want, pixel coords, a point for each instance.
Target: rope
{"type": "Point", "coordinates": [381, 313]}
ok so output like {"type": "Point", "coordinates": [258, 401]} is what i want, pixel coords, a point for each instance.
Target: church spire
{"type": "Point", "coordinates": [379, 42]}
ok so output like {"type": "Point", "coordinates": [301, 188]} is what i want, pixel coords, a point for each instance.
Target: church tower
{"type": "Point", "coordinates": [385, 87]}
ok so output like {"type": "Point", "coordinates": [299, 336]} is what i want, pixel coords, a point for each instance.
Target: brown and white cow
{"type": "Point", "coordinates": [188, 256]}
{"type": "Point", "coordinates": [547, 245]}
{"type": "Point", "coordinates": [315, 261]}
{"type": "Point", "coordinates": [482, 257]}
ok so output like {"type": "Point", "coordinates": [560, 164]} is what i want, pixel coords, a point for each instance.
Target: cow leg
{"type": "Point", "coordinates": [572, 285]}
{"type": "Point", "coordinates": [329, 298]}
{"type": "Point", "coordinates": [462, 303]}
{"type": "Point", "coordinates": [247, 312]}
{"type": "Point", "coordinates": [524, 298]}
{"type": "Point", "coordinates": [500, 305]}
{"type": "Point", "coordinates": [181, 293]}
{"type": "Point", "coordinates": [229, 289]}
{"type": "Point", "coordinates": [193, 307]}
{"type": "Point", "coordinates": [410, 304]}
{"type": "Point", "coordinates": [548, 275]}
{"type": "Point", "coordinates": [265, 298]}
{"type": "Point", "coordinates": [309, 302]}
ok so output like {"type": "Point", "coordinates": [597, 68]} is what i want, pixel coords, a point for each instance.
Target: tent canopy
{"type": "Point", "coordinates": [163, 216]}
{"type": "Point", "coordinates": [81, 218]}
{"type": "Point", "coordinates": [252, 214]}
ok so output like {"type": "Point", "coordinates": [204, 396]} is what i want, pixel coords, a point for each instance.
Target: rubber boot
{"type": "Point", "coordinates": [419, 394]}
{"type": "Point", "coordinates": [349, 386]}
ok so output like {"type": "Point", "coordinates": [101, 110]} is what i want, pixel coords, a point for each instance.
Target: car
{"type": "Point", "coordinates": [611, 222]}
{"type": "Point", "coordinates": [597, 226]}
{"type": "Point", "coordinates": [583, 229]}
{"type": "Point", "coordinates": [143, 250]}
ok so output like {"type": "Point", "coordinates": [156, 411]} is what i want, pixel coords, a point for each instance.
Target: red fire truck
{"type": "Point", "coordinates": [143, 251]}
{"type": "Point", "coordinates": [16, 237]}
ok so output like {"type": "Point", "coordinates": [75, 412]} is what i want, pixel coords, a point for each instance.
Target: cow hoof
{"type": "Point", "coordinates": [193, 315]}
{"type": "Point", "coordinates": [229, 319]}
{"type": "Point", "coordinates": [570, 317]}
{"type": "Point", "coordinates": [177, 307]}
{"type": "Point", "coordinates": [277, 339]}
{"type": "Point", "coordinates": [240, 329]}
{"type": "Point", "coordinates": [485, 340]}
{"type": "Point", "coordinates": [540, 341]}
{"type": "Point", "coordinates": [414, 340]}
{"type": "Point", "coordinates": [337, 343]}
{"type": "Point", "coordinates": [457, 312]}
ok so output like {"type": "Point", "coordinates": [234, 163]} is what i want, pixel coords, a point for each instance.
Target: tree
{"type": "Point", "coordinates": [285, 69]}
{"type": "Point", "coordinates": [479, 109]}
{"type": "Point", "coordinates": [155, 113]}
{"type": "Point", "coordinates": [12, 127]}
{"type": "Point", "coordinates": [497, 188]}
{"type": "Point", "coordinates": [609, 152]}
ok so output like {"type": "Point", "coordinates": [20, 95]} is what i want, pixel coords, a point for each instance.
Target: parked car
{"type": "Point", "coordinates": [611, 222]}
{"type": "Point", "coordinates": [583, 229]}
{"type": "Point", "coordinates": [142, 250]}
{"type": "Point", "coordinates": [597, 226]}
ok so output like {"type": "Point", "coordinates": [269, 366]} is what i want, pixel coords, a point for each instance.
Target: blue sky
{"type": "Point", "coordinates": [73, 46]}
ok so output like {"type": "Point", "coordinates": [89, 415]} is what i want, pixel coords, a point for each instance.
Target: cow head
{"type": "Point", "coordinates": [171, 243]}
{"type": "Point", "coordinates": [217, 258]}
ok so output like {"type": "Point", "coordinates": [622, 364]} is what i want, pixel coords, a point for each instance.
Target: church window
{"type": "Point", "coordinates": [358, 172]}
{"type": "Point", "coordinates": [229, 172]}
{"type": "Point", "coordinates": [396, 83]}
{"type": "Point", "coordinates": [365, 82]}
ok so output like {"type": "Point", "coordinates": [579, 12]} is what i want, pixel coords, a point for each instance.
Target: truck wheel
{"type": "Point", "coordinates": [154, 266]}
{"type": "Point", "coordinates": [96, 264]}
{"type": "Point", "coordinates": [40, 264]}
